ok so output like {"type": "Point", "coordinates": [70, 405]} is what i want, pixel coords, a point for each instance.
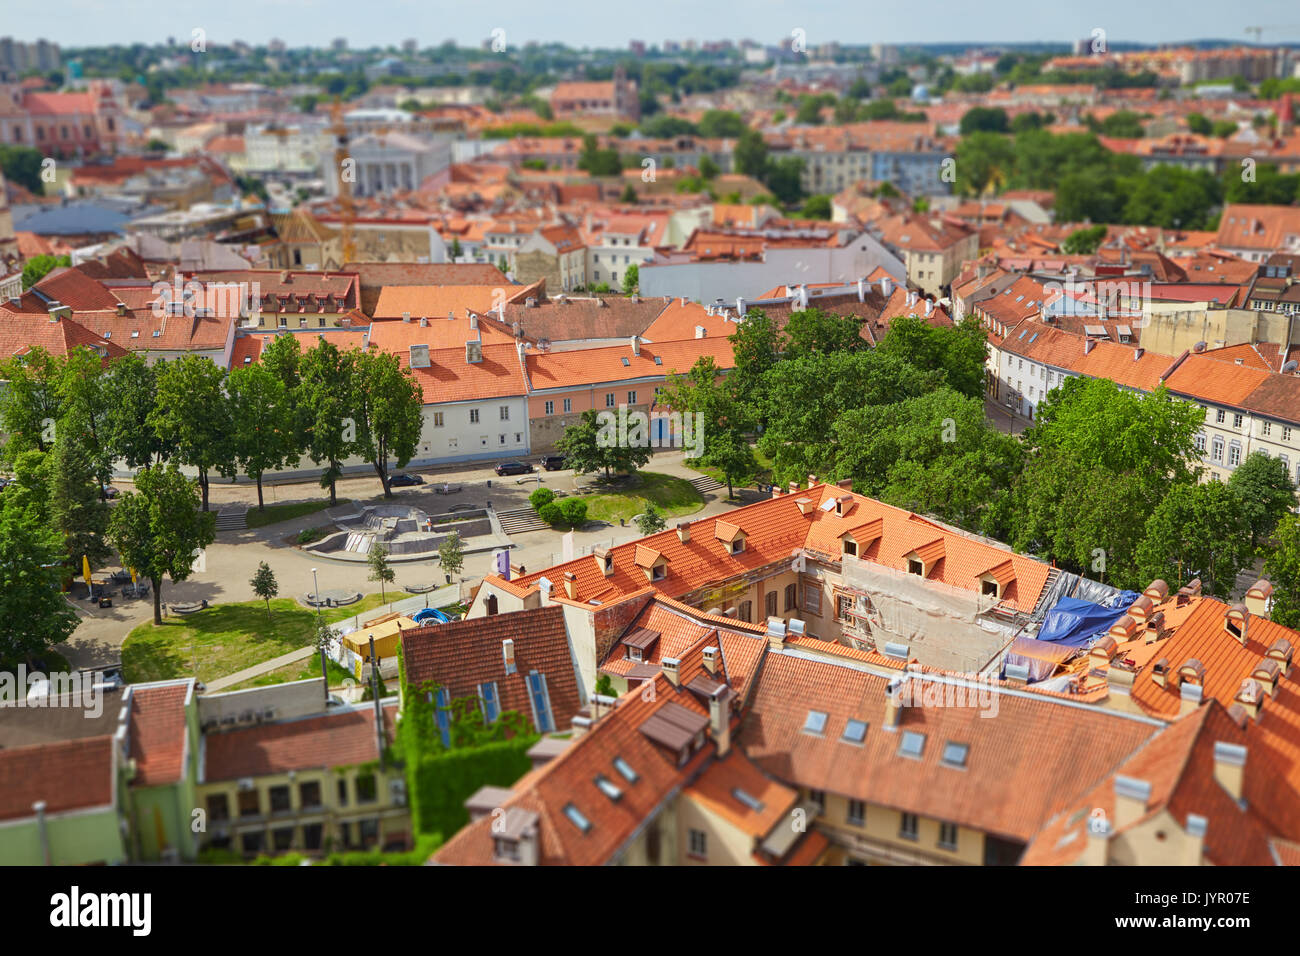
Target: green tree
{"type": "Point", "coordinates": [756, 346]}
{"type": "Point", "coordinates": [817, 207]}
{"type": "Point", "coordinates": [573, 511]}
{"type": "Point", "coordinates": [1264, 488]}
{"type": "Point", "coordinates": [159, 528]}
{"type": "Point", "coordinates": [30, 406]}
{"type": "Point", "coordinates": [541, 496]}
{"type": "Point", "coordinates": [784, 178]}
{"type": "Point", "coordinates": [84, 403]}
{"type": "Point", "coordinates": [749, 155]}
{"type": "Point", "coordinates": [263, 416]}
{"type": "Point", "coordinates": [814, 330]}
{"type": "Point", "coordinates": [631, 279]}
{"type": "Point", "coordinates": [193, 414]}
{"type": "Point", "coordinates": [959, 352]}
{"type": "Point", "coordinates": [380, 569]}
{"type": "Point", "coordinates": [1100, 459]}
{"type": "Point", "coordinates": [38, 267]}
{"type": "Point", "coordinates": [325, 395]}
{"type": "Point", "coordinates": [22, 165]}
{"type": "Point", "coordinates": [708, 168]}
{"type": "Point", "coordinates": [1282, 568]}
{"type": "Point", "coordinates": [651, 521]}
{"type": "Point", "coordinates": [1084, 241]}
{"type": "Point", "coordinates": [451, 554]}
{"type": "Point", "coordinates": [264, 585]}
{"type": "Point", "coordinates": [76, 506]}
{"type": "Point", "coordinates": [36, 617]}
{"type": "Point", "coordinates": [721, 124]}
{"type": "Point", "coordinates": [596, 161]}
{"type": "Point", "coordinates": [390, 411]}
{"type": "Point", "coordinates": [131, 396]}
{"type": "Point", "coordinates": [984, 119]}
{"type": "Point", "coordinates": [1197, 530]}
{"type": "Point", "coordinates": [933, 454]}
{"type": "Point", "coordinates": [984, 163]}
{"type": "Point", "coordinates": [592, 444]}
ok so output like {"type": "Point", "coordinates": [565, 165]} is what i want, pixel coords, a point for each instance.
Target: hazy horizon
{"type": "Point", "coordinates": [586, 23]}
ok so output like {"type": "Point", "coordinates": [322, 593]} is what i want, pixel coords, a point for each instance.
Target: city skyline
{"type": "Point", "coordinates": [318, 22]}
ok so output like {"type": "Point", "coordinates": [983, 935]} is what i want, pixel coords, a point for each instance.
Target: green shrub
{"type": "Point", "coordinates": [438, 784]}
{"type": "Point", "coordinates": [574, 511]}
{"type": "Point", "coordinates": [540, 498]}
{"type": "Point", "coordinates": [308, 535]}
{"type": "Point", "coordinates": [551, 513]}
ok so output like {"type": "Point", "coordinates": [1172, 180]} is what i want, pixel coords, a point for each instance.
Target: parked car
{"type": "Point", "coordinates": [514, 468]}
{"type": "Point", "coordinates": [404, 481]}
{"type": "Point", "coordinates": [555, 462]}
{"type": "Point", "coordinates": [110, 492]}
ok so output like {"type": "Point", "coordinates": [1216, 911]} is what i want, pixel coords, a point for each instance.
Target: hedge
{"type": "Point", "coordinates": [438, 784]}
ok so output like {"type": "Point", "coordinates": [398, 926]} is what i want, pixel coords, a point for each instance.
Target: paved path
{"type": "Point", "coordinates": [231, 560]}
{"type": "Point", "coordinates": [257, 670]}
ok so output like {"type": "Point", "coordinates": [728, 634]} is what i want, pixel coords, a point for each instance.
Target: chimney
{"type": "Point", "coordinates": [886, 286]}
{"type": "Point", "coordinates": [508, 654]}
{"type": "Point", "coordinates": [636, 345]}
{"type": "Point", "coordinates": [1160, 672]}
{"type": "Point", "coordinates": [1087, 345]}
{"type": "Point", "coordinates": [1236, 621]}
{"type": "Point", "coordinates": [929, 307]}
{"type": "Point", "coordinates": [911, 299]}
{"type": "Point", "coordinates": [794, 487]}
{"type": "Point", "coordinates": [1157, 591]}
{"type": "Point", "coordinates": [683, 531]}
{"type": "Point", "coordinates": [1230, 767]}
{"type": "Point", "coordinates": [570, 585]}
{"type": "Point", "coordinates": [812, 481]}
{"type": "Point", "coordinates": [1251, 697]}
{"type": "Point", "coordinates": [600, 706]}
{"type": "Point", "coordinates": [121, 308]}
{"type": "Point", "coordinates": [1141, 609]}
{"type": "Point", "coordinates": [1131, 798]}
{"type": "Point", "coordinates": [775, 633]}
{"type": "Point", "coordinates": [672, 668]}
{"type": "Point", "coordinates": [406, 316]}
{"type": "Point", "coordinates": [701, 332]}
{"type": "Point", "coordinates": [424, 321]}
{"type": "Point", "coordinates": [862, 290]}
{"type": "Point", "coordinates": [741, 305]}
{"type": "Point", "coordinates": [711, 659]}
{"type": "Point", "coordinates": [285, 277]}
{"type": "Point", "coordinates": [1257, 597]}
{"type": "Point", "coordinates": [473, 321]}
{"type": "Point", "coordinates": [1190, 697]}
{"type": "Point", "coordinates": [720, 719]}
{"type": "Point", "coordinates": [894, 703]}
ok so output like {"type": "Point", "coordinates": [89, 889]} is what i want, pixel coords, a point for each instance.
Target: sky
{"type": "Point", "coordinates": [612, 23]}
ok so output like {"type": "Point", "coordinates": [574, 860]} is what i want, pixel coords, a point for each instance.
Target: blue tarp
{"type": "Point", "coordinates": [1075, 623]}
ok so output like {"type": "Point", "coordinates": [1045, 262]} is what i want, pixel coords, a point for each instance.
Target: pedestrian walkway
{"type": "Point", "coordinates": [257, 670]}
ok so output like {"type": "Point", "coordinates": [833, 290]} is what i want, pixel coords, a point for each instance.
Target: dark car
{"type": "Point", "coordinates": [404, 481]}
{"type": "Point", "coordinates": [110, 492]}
{"type": "Point", "coordinates": [555, 462]}
{"type": "Point", "coordinates": [514, 468]}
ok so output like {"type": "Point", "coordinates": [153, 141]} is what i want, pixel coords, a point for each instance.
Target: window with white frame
{"type": "Point", "coordinates": [568, 404]}
{"type": "Point", "coordinates": [1216, 449]}
{"type": "Point", "coordinates": [550, 408]}
{"type": "Point", "coordinates": [473, 416]}
{"type": "Point", "coordinates": [1234, 455]}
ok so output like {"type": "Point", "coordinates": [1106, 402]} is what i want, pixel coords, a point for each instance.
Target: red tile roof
{"type": "Point", "coordinates": [464, 654]}
{"type": "Point", "coordinates": [159, 733]}
{"type": "Point", "coordinates": [69, 775]}
{"type": "Point", "coordinates": [313, 743]}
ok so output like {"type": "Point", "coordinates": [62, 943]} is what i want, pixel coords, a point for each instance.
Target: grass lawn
{"type": "Point", "coordinates": [673, 497]}
{"type": "Point", "coordinates": [284, 512]}
{"type": "Point", "coordinates": [228, 637]}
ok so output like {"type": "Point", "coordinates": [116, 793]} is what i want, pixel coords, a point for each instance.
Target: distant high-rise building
{"type": "Point", "coordinates": [410, 45]}
{"type": "Point", "coordinates": [636, 47]}
{"type": "Point", "coordinates": [339, 44]}
{"type": "Point", "coordinates": [18, 57]}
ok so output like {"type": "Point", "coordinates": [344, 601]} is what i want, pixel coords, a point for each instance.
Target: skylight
{"type": "Point", "coordinates": [626, 363]}
{"type": "Point", "coordinates": [748, 799]}
{"type": "Point", "coordinates": [815, 723]}
{"type": "Point", "coordinates": [659, 360]}
{"type": "Point", "coordinates": [576, 818]}
{"type": "Point", "coordinates": [913, 744]}
{"type": "Point", "coordinates": [608, 788]}
{"type": "Point", "coordinates": [954, 754]}
{"type": "Point", "coordinates": [855, 731]}
{"type": "Point", "coordinates": [625, 769]}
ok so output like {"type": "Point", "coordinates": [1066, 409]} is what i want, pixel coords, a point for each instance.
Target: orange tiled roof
{"type": "Point", "coordinates": [617, 363]}
{"type": "Point", "coordinates": [159, 733]}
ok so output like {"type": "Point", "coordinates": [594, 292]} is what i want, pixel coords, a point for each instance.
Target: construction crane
{"type": "Point", "coordinates": [1259, 31]}
{"type": "Point", "coordinates": [347, 209]}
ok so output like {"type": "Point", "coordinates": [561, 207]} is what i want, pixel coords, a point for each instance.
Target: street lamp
{"type": "Point", "coordinates": [324, 672]}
